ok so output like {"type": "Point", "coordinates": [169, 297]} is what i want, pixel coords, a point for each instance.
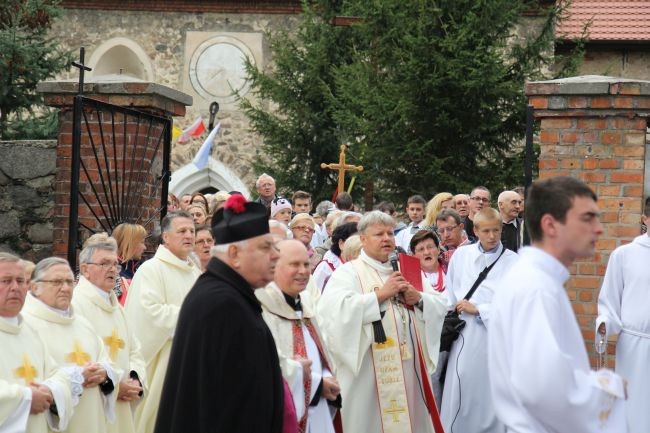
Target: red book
{"type": "Point", "coordinates": [411, 270]}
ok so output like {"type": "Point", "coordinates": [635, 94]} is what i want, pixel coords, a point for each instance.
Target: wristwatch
{"type": "Point", "coordinates": [420, 304]}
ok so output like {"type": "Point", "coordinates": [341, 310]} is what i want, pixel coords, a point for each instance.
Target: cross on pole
{"type": "Point", "coordinates": [342, 167]}
{"type": "Point", "coordinates": [82, 68]}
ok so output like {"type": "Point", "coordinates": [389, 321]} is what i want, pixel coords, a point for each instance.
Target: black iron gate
{"type": "Point", "coordinates": [120, 168]}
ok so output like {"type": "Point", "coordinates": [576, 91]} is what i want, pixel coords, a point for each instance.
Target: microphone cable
{"type": "Point", "coordinates": [460, 395]}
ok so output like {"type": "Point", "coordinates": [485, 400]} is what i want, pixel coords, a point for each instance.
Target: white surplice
{"type": "Point", "coordinates": [623, 307]}
{"type": "Point", "coordinates": [72, 342]}
{"type": "Point", "coordinates": [403, 238]}
{"type": "Point", "coordinates": [540, 378]}
{"type": "Point", "coordinates": [325, 269]}
{"type": "Point", "coordinates": [157, 291]}
{"type": "Point", "coordinates": [280, 317]}
{"type": "Point", "coordinates": [345, 315]}
{"type": "Point", "coordinates": [466, 399]}
{"type": "Point", "coordinates": [24, 359]}
{"type": "Point", "coordinates": [105, 314]}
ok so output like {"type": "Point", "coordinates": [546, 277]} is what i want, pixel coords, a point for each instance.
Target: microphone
{"type": "Point", "coordinates": [393, 260]}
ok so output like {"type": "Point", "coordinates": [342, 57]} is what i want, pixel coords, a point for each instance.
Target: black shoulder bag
{"type": "Point", "coordinates": [453, 324]}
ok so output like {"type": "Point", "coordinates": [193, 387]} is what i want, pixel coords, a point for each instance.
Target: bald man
{"type": "Point", "coordinates": [509, 208]}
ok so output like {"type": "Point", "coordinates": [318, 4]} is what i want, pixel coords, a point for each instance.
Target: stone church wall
{"type": "Point", "coordinates": [27, 170]}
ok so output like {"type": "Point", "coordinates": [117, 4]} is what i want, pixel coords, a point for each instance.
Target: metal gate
{"type": "Point", "coordinates": [119, 171]}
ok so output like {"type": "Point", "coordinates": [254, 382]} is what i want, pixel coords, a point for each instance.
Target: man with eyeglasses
{"type": "Point", "coordinates": [95, 300]}
{"type": "Point", "coordinates": [265, 186]}
{"type": "Point", "coordinates": [34, 393]}
{"type": "Point", "coordinates": [157, 291]}
{"type": "Point", "coordinates": [452, 234]}
{"type": "Point", "coordinates": [73, 344]}
{"type": "Point", "coordinates": [478, 199]}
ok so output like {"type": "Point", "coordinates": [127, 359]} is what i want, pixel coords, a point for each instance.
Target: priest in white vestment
{"type": "Point", "coordinates": [466, 403]}
{"type": "Point", "coordinates": [540, 378]}
{"type": "Point", "coordinates": [289, 312]}
{"type": "Point", "coordinates": [385, 385]}
{"type": "Point", "coordinates": [95, 300]}
{"type": "Point", "coordinates": [34, 393]}
{"type": "Point", "coordinates": [73, 344]}
{"type": "Point", "coordinates": [623, 310]}
{"type": "Point", "coordinates": [157, 291]}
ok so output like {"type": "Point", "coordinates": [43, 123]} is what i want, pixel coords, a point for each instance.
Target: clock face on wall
{"type": "Point", "coordinates": [217, 68]}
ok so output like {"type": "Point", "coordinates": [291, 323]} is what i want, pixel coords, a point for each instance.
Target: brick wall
{"type": "Point", "coordinates": [594, 128]}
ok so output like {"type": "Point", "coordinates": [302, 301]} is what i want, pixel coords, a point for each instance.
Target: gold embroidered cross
{"type": "Point", "coordinates": [78, 356]}
{"type": "Point", "coordinates": [26, 370]}
{"type": "Point", "coordinates": [114, 343]}
{"type": "Point", "coordinates": [394, 410]}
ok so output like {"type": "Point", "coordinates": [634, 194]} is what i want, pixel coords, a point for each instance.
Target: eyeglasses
{"type": "Point", "coordinates": [58, 283]}
{"type": "Point", "coordinates": [447, 229]}
{"type": "Point", "coordinates": [483, 199]}
{"type": "Point", "coordinates": [304, 228]}
{"type": "Point", "coordinates": [208, 241]}
{"type": "Point", "coordinates": [106, 265]}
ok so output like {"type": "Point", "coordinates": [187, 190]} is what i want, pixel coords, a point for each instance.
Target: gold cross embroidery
{"type": "Point", "coordinates": [394, 410]}
{"type": "Point", "coordinates": [78, 356]}
{"type": "Point", "coordinates": [114, 344]}
{"type": "Point", "coordinates": [26, 370]}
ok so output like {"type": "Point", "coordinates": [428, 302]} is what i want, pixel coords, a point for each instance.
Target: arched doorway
{"type": "Point", "coordinates": [189, 179]}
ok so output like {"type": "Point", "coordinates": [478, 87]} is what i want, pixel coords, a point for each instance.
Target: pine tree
{"type": "Point", "coordinates": [27, 56]}
{"type": "Point", "coordinates": [428, 93]}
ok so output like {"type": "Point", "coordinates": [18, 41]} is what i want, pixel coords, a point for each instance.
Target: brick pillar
{"type": "Point", "coordinates": [594, 128]}
{"type": "Point", "coordinates": [122, 91]}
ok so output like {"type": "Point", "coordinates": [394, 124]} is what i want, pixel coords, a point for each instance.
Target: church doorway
{"type": "Point", "coordinates": [216, 176]}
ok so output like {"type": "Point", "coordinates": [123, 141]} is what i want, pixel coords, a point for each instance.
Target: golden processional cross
{"type": "Point", "coordinates": [342, 167]}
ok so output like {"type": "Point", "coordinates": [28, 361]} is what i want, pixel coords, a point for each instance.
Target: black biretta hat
{"type": "Point", "coordinates": [239, 220]}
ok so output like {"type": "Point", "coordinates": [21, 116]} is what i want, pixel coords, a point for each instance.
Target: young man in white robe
{"type": "Point", "coordinates": [95, 300]}
{"type": "Point", "coordinates": [73, 344]}
{"type": "Point", "coordinates": [157, 291]}
{"type": "Point", "coordinates": [34, 394]}
{"type": "Point", "coordinates": [466, 403]}
{"type": "Point", "coordinates": [623, 311]}
{"type": "Point", "coordinates": [384, 338]}
{"type": "Point", "coordinates": [540, 378]}
{"type": "Point", "coordinates": [289, 313]}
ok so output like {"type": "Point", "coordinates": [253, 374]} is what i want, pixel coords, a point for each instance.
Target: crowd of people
{"type": "Point", "coordinates": [276, 315]}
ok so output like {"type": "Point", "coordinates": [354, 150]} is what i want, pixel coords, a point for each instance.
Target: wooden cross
{"type": "Point", "coordinates": [26, 370]}
{"type": "Point", "coordinates": [82, 68]}
{"type": "Point", "coordinates": [394, 410]}
{"type": "Point", "coordinates": [342, 167]}
{"type": "Point", "coordinates": [78, 356]}
{"type": "Point", "coordinates": [114, 343]}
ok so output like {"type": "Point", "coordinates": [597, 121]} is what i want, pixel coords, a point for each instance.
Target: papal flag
{"type": "Point", "coordinates": [195, 129]}
{"type": "Point", "coordinates": [203, 155]}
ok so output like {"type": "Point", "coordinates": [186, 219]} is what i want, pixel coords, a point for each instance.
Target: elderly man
{"type": "Point", "coordinates": [478, 199]}
{"type": "Point", "coordinates": [452, 234]}
{"type": "Point", "coordinates": [509, 207]}
{"type": "Point", "coordinates": [155, 297]}
{"type": "Point", "coordinates": [224, 375]}
{"type": "Point", "coordinates": [289, 313]}
{"type": "Point", "coordinates": [384, 337]}
{"type": "Point", "coordinates": [540, 378]}
{"type": "Point", "coordinates": [73, 344]}
{"type": "Point", "coordinates": [95, 300]}
{"type": "Point", "coordinates": [461, 205]}
{"type": "Point", "coordinates": [265, 186]}
{"type": "Point", "coordinates": [466, 404]}
{"type": "Point", "coordinates": [33, 393]}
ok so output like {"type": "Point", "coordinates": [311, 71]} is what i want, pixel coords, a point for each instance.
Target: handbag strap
{"type": "Point", "coordinates": [482, 276]}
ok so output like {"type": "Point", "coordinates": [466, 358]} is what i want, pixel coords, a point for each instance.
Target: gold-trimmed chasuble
{"type": "Point", "coordinates": [26, 371]}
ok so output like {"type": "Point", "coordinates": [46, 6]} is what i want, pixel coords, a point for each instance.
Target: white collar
{"type": "Point", "coordinates": [376, 264]}
{"type": "Point", "coordinates": [105, 295]}
{"type": "Point", "coordinates": [11, 320]}
{"type": "Point", "coordinates": [547, 263]}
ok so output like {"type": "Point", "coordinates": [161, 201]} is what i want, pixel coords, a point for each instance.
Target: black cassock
{"type": "Point", "coordinates": [224, 375]}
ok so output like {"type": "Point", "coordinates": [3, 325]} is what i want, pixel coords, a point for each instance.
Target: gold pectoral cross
{"type": "Point", "coordinates": [78, 356]}
{"type": "Point", "coordinates": [114, 344]}
{"type": "Point", "coordinates": [394, 410]}
{"type": "Point", "coordinates": [26, 371]}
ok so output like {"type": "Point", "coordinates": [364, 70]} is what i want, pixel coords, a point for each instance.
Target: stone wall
{"type": "Point", "coordinates": [594, 128]}
{"type": "Point", "coordinates": [27, 171]}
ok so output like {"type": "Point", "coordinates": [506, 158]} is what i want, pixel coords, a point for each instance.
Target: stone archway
{"type": "Point", "coordinates": [189, 178]}
{"type": "Point", "coordinates": [121, 56]}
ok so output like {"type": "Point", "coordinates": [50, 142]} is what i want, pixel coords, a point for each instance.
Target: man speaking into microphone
{"type": "Point", "coordinates": [385, 377]}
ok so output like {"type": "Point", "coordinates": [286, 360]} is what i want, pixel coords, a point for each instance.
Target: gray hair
{"type": "Point", "coordinates": [97, 242]}
{"type": "Point", "coordinates": [344, 216]}
{"type": "Point", "coordinates": [375, 217]}
{"type": "Point", "coordinates": [263, 176]}
{"type": "Point", "coordinates": [45, 264]}
{"type": "Point", "coordinates": [223, 248]}
{"type": "Point", "coordinates": [166, 223]}
{"type": "Point", "coordinates": [324, 208]}
{"type": "Point", "coordinates": [279, 224]}
{"type": "Point", "coordinates": [9, 258]}
{"type": "Point", "coordinates": [449, 212]}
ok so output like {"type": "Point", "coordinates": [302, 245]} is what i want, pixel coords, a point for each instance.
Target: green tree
{"type": "Point", "coordinates": [429, 93]}
{"type": "Point", "coordinates": [27, 56]}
